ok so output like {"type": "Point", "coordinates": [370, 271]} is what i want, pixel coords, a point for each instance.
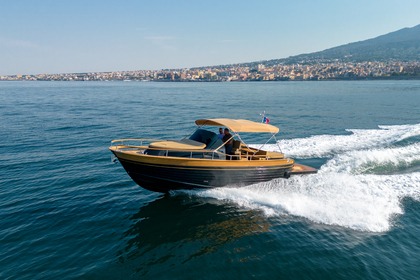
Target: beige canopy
{"type": "Point", "coordinates": [184, 144]}
{"type": "Point", "coordinates": [239, 125]}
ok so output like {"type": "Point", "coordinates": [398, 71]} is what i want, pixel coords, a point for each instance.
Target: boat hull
{"type": "Point", "coordinates": [166, 177]}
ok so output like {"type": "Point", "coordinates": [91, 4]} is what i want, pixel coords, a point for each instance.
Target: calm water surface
{"type": "Point", "coordinates": [67, 212]}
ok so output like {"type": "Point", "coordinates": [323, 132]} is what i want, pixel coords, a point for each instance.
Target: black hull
{"type": "Point", "coordinates": [163, 178]}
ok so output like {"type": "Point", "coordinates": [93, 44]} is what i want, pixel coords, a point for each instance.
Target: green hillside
{"type": "Point", "coordinates": [401, 45]}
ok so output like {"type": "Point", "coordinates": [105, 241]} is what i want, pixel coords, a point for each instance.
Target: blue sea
{"type": "Point", "coordinates": [68, 212]}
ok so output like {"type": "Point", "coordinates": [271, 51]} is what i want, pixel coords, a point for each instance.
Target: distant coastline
{"type": "Point", "coordinates": [304, 71]}
{"type": "Point", "coordinates": [393, 56]}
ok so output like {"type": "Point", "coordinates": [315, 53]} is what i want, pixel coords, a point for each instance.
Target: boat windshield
{"type": "Point", "coordinates": [209, 138]}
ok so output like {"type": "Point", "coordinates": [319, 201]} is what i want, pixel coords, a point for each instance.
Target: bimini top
{"type": "Point", "coordinates": [239, 125]}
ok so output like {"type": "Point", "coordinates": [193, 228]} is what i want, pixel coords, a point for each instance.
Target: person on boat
{"type": "Point", "coordinates": [221, 134]}
{"type": "Point", "coordinates": [228, 140]}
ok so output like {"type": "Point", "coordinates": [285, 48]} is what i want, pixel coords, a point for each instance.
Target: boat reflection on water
{"type": "Point", "coordinates": [178, 228]}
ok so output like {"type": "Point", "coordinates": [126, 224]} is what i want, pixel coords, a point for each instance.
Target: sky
{"type": "Point", "coordinates": [53, 36]}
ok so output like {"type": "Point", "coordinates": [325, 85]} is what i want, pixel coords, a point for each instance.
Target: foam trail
{"type": "Point", "coordinates": [363, 202]}
{"type": "Point", "coordinates": [346, 191]}
{"type": "Point", "coordinates": [359, 139]}
{"type": "Point", "coordinates": [385, 160]}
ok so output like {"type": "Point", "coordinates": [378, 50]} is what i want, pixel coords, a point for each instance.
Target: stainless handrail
{"type": "Point", "coordinates": [143, 141]}
{"type": "Point", "coordinates": [122, 141]}
{"type": "Point", "coordinates": [125, 145]}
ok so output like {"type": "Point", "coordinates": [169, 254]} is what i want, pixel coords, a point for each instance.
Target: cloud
{"type": "Point", "coordinates": [163, 42]}
{"type": "Point", "coordinates": [228, 41]}
{"type": "Point", "coordinates": [16, 43]}
{"type": "Point", "coordinates": [139, 28]}
{"type": "Point", "coordinates": [159, 38]}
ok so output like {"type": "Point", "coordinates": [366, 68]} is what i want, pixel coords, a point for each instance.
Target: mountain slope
{"type": "Point", "coordinates": [403, 45]}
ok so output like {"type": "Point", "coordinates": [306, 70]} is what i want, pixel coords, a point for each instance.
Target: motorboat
{"type": "Point", "coordinates": [200, 159]}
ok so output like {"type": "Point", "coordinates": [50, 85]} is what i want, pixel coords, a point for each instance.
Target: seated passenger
{"type": "Point", "coordinates": [221, 134]}
{"type": "Point", "coordinates": [228, 140]}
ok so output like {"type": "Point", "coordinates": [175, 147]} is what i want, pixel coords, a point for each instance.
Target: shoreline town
{"type": "Point", "coordinates": [248, 72]}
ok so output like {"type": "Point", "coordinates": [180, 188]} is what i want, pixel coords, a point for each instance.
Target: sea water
{"type": "Point", "coordinates": [67, 212]}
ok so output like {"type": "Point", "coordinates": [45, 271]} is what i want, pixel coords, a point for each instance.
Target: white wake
{"type": "Point", "coordinates": [368, 161]}
{"type": "Point", "coordinates": [363, 202]}
{"type": "Point", "coordinates": [360, 186]}
{"type": "Point", "coordinates": [329, 145]}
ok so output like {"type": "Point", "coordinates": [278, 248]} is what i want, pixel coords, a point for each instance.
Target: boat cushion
{"type": "Point", "coordinates": [184, 144]}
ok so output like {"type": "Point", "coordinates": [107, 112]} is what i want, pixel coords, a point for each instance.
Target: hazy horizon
{"type": "Point", "coordinates": [103, 36]}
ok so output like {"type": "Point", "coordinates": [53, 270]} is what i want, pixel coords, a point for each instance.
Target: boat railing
{"type": "Point", "coordinates": [132, 143]}
{"type": "Point", "coordinates": [140, 145]}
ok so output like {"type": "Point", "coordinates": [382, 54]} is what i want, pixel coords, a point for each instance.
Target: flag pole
{"type": "Point", "coordinates": [263, 116]}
